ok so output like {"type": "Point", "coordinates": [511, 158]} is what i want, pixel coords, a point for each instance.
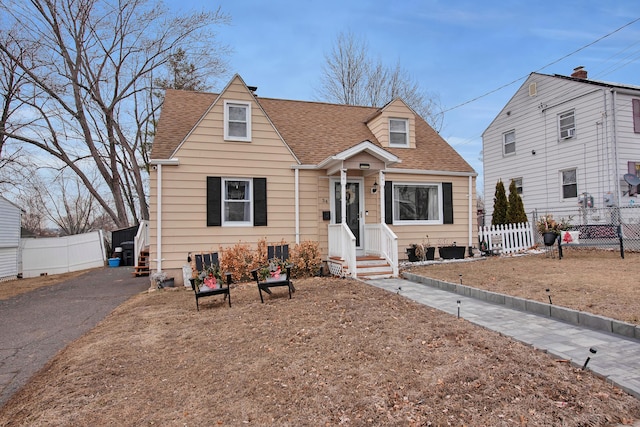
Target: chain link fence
{"type": "Point", "coordinates": [599, 227]}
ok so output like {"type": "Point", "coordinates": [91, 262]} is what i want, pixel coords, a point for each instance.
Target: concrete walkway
{"type": "Point", "coordinates": [617, 357]}
{"type": "Point", "coordinates": [38, 324]}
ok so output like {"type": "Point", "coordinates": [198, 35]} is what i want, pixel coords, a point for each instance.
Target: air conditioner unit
{"type": "Point", "coordinates": [570, 133]}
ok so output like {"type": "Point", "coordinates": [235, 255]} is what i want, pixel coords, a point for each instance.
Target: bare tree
{"type": "Point", "coordinates": [180, 73]}
{"type": "Point", "coordinates": [351, 77]}
{"type": "Point", "coordinates": [86, 98]}
{"type": "Point", "coordinates": [344, 75]}
{"type": "Point", "coordinates": [34, 216]}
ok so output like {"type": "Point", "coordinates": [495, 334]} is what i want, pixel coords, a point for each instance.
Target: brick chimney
{"type": "Point", "coordinates": [579, 73]}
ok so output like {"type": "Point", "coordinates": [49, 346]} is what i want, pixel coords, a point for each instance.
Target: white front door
{"type": "Point", "coordinates": [354, 203]}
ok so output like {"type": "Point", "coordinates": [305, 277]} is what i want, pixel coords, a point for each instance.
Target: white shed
{"type": "Point", "coordinates": [9, 239]}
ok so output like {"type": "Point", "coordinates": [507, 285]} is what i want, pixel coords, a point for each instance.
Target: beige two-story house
{"type": "Point", "coordinates": [234, 167]}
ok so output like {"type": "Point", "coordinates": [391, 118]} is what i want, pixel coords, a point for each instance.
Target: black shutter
{"type": "Point", "coordinates": [388, 202]}
{"type": "Point", "coordinates": [447, 202]}
{"type": "Point", "coordinates": [636, 115]}
{"type": "Point", "coordinates": [259, 202]}
{"type": "Point", "coordinates": [214, 201]}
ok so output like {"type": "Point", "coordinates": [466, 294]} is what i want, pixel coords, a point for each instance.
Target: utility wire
{"type": "Point", "coordinates": [542, 68]}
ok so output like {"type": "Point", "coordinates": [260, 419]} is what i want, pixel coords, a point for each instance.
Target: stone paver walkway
{"type": "Point", "coordinates": [617, 358]}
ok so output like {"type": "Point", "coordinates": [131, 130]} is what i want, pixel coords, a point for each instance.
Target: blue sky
{"type": "Point", "coordinates": [460, 50]}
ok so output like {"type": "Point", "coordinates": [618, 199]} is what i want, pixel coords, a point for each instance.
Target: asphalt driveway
{"type": "Point", "coordinates": [36, 325]}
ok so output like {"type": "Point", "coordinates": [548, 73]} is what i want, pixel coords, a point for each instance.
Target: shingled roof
{"type": "Point", "coordinates": [313, 130]}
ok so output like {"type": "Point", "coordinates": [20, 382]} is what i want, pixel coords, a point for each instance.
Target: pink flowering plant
{"type": "Point", "coordinates": [209, 278]}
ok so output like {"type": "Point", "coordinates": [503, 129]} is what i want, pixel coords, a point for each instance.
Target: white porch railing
{"type": "Point", "coordinates": [141, 240]}
{"type": "Point", "coordinates": [381, 241]}
{"type": "Point", "coordinates": [342, 244]}
{"type": "Point", "coordinates": [507, 238]}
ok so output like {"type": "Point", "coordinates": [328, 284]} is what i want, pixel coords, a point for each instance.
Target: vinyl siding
{"type": "Point", "coordinates": [443, 233]}
{"type": "Point", "coordinates": [9, 238]}
{"type": "Point", "coordinates": [628, 141]}
{"type": "Point", "coordinates": [205, 153]}
{"type": "Point", "coordinates": [591, 152]}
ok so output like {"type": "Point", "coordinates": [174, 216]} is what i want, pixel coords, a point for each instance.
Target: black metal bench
{"type": "Point", "coordinates": [203, 261]}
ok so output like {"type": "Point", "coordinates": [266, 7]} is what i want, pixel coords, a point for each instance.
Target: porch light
{"type": "Point", "coordinates": [374, 189]}
{"type": "Point", "coordinates": [365, 166]}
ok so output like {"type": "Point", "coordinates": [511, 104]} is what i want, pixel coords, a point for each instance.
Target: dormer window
{"type": "Point", "coordinates": [237, 121]}
{"type": "Point", "coordinates": [398, 132]}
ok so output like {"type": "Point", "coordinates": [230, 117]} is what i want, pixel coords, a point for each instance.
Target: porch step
{"type": "Point", "coordinates": [142, 269]}
{"type": "Point", "coordinates": [367, 267]}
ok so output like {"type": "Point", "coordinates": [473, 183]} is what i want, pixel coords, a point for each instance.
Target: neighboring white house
{"type": "Point", "coordinates": [563, 140]}
{"type": "Point", "coordinates": [9, 239]}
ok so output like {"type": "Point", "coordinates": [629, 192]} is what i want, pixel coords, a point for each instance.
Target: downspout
{"type": "Point", "coordinates": [159, 219]}
{"type": "Point", "coordinates": [297, 203]}
{"type": "Point", "coordinates": [616, 172]}
{"type": "Point", "coordinates": [470, 212]}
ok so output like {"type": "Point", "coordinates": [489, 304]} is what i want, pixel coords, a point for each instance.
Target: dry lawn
{"type": "Point", "coordinates": [591, 280]}
{"type": "Point", "coordinates": [339, 353]}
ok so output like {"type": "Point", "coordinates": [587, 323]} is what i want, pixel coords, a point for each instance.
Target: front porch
{"type": "Point", "coordinates": [377, 259]}
{"type": "Point", "coordinates": [357, 248]}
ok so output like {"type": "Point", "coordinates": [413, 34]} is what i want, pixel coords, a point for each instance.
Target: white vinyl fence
{"type": "Point", "coordinates": [57, 255]}
{"type": "Point", "coordinates": [506, 238]}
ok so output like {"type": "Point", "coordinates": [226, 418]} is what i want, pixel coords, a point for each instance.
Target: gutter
{"type": "Point", "coordinates": [470, 212]}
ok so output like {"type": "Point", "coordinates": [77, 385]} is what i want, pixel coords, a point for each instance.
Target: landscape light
{"type": "Point", "coordinates": [458, 309]}
{"type": "Point", "coordinates": [592, 350]}
{"type": "Point", "coordinates": [549, 295]}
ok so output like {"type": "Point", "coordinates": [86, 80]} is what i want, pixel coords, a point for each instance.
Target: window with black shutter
{"type": "Point", "coordinates": [229, 201]}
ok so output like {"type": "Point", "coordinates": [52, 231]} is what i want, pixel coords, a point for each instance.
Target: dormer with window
{"type": "Point", "coordinates": [237, 121]}
{"type": "Point", "coordinates": [399, 133]}
{"type": "Point", "coordinates": [394, 125]}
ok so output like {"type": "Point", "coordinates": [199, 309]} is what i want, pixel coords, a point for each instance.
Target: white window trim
{"type": "Point", "coordinates": [562, 184]}
{"type": "Point", "coordinates": [440, 219]}
{"type": "Point", "coordinates": [227, 104]}
{"type": "Point", "coordinates": [504, 143]}
{"type": "Point", "coordinates": [521, 185]}
{"type": "Point", "coordinates": [249, 222]}
{"type": "Point", "coordinates": [571, 132]}
{"type": "Point", "coordinates": [406, 124]}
